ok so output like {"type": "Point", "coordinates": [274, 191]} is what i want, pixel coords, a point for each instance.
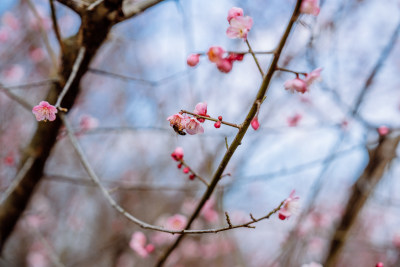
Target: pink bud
{"type": "Point", "coordinates": [179, 165]}
{"type": "Point", "coordinates": [193, 60]}
{"type": "Point", "coordinates": [186, 170]}
{"type": "Point", "coordinates": [192, 176]}
{"type": "Point", "coordinates": [177, 154]}
{"type": "Point", "coordinates": [217, 124]}
{"type": "Point", "coordinates": [379, 264]}
{"type": "Point", "coordinates": [224, 65]}
{"type": "Point", "coordinates": [383, 130]}
{"type": "Point", "coordinates": [290, 206]}
{"type": "Point", "coordinates": [235, 56]}
{"type": "Point", "coordinates": [149, 248]}
{"type": "Point", "coordinates": [234, 12]}
{"type": "Point", "coordinates": [254, 123]}
{"type": "Point", "coordinates": [220, 118]}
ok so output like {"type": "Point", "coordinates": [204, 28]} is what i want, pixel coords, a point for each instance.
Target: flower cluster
{"type": "Point", "coordinates": [191, 125]}
{"type": "Point", "coordinates": [44, 111]}
{"type": "Point", "coordinates": [138, 244]}
{"type": "Point", "coordinates": [290, 206]}
{"type": "Point", "coordinates": [302, 85]}
{"type": "Point", "coordinates": [239, 25]}
{"type": "Point", "coordinates": [216, 54]}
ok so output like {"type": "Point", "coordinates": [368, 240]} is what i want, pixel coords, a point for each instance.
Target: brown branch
{"type": "Point", "coordinates": [380, 159]}
{"type": "Point", "coordinates": [255, 59]}
{"type": "Point", "coordinates": [236, 142]}
{"type": "Point", "coordinates": [137, 8]}
{"type": "Point", "coordinates": [211, 119]}
{"type": "Point", "coordinates": [55, 26]}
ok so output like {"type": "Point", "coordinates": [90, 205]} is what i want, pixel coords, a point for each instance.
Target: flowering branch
{"type": "Point", "coordinates": [193, 175]}
{"type": "Point", "coordinates": [82, 157]}
{"type": "Point", "coordinates": [211, 119]}
{"type": "Point", "coordinates": [242, 131]}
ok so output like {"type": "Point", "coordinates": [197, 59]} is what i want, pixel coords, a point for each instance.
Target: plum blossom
{"type": "Point", "coordinates": [176, 222]}
{"type": "Point", "coordinates": [290, 206]}
{"type": "Point", "coordinates": [193, 60]}
{"type": "Point", "coordinates": [296, 84]}
{"type": "Point", "coordinates": [201, 109]}
{"type": "Point", "coordinates": [177, 120]}
{"type": "Point", "coordinates": [234, 12]}
{"type": "Point", "coordinates": [310, 7]}
{"type": "Point", "coordinates": [193, 126]}
{"type": "Point", "coordinates": [177, 154]}
{"type": "Point", "coordinates": [383, 130]}
{"type": "Point", "coordinates": [44, 111]}
{"type": "Point", "coordinates": [215, 53]}
{"type": "Point", "coordinates": [138, 244]}
{"type": "Point", "coordinates": [312, 264]}
{"type": "Point", "coordinates": [254, 123]}
{"type": "Point", "coordinates": [239, 27]}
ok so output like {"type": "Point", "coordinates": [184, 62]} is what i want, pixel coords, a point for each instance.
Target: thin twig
{"type": "Point", "coordinates": [211, 119]}
{"type": "Point", "coordinates": [291, 71]}
{"type": "Point", "coordinates": [71, 77]}
{"type": "Point", "coordinates": [93, 5]}
{"type": "Point", "coordinates": [181, 161]}
{"type": "Point", "coordinates": [32, 84]}
{"type": "Point", "coordinates": [255, 59]}
{"type": "Point", "coordinates": [16, 98]}
{"type": "Point", "coordinates": [56, 27]}
{"type": "Point", "coordinates": [43, 33]}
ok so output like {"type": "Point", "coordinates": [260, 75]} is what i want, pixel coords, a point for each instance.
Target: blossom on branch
{"type": "Point", "coordinates": [310, 7]}
{"type": "Point", "coordinates": [201, 109]}
{"type": "Point", "coordinates": [215, 53]}
{"type": "Point", "coordinates": [290, 206]}
{"type": "Point", "coordinates": [254, 123]}
{"type": "Point", "coordinates": [178, 122]}
{"type": "Point", "coordinates": [239, 27]}
{"type": "Point", "coordinates": [44, 111]}
{"type": "Point", "coordinates": [313, 76]}
{"type": "Point", "coordinates": [193, 126]}
{"type": "Point", "coordinates": [297, 85]}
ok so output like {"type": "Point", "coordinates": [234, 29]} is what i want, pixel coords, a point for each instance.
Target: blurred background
{"type": "Point", "coordinates": [316, 143]}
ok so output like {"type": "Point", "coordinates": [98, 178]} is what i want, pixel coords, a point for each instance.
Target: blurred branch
{"type": "Point", "coordinates": [137, 8]}
{"type": "Point", "coordinates": [255, 58]}
{"type": "Point", "coordinates": [211, 119]}
{"type": "Point", "coordinates": [43, 33]}
{"type": "Point", "coordinates": [130, 217]}
{"type": "Point", "coordinates": [16, 98]}
{"type": "Point", "coordinates": [244, 126]}
{"type": "Point", "coordinates": [55, 26]}
{"type": "Point", "coordinates": [32, 84]}
{"type": "Point", "coordinates": [380, 159]}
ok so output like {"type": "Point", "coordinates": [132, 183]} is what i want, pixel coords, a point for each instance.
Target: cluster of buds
{"type": "Point", "coordinates": [302, 85]}
{"type": "Point", "coordinates": [218, 123]}
{"type": "Point", "coordinates": [216, 54]}
{"type": "Point", "coordinates": [177, 155]}
{"type": "Point", "coordinates": [182, 122]}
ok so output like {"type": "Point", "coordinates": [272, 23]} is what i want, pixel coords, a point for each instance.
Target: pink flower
{"type": "Point", "coordinates": [254, 123]}
{"type": "Point", "coordinates": [383, 130]}
{"type": "Point", "coordinates": [193, 60]}
{"type": "Point", "coordinates": [312, 264]}
{"type": "Point", "coordinates": [201, 109]}
{"type": "Point", "coordinates": [294, 120]}
{"type": "Point", "coordinates": [176, 222]}
{"type": "Point", "coordinates": [138, 244]}
{"type": "Point", "coordinates": [177, 121]}
{"type": "Point", "coordinates": [239, 27]}
{"type": "Point", "coordinates": [88, 122]}
{"type": "Point", "coordinates": [224, 65]}
{"type": "Point", "coordinates": [44, 111]}
{"type": "Point", "coordinates": [379, 264]}
{"type": "Point", "coordinates": [313, 76]}
{"type": "Point", "coordinates": [215, 53]}
{"type": "Point", "coordinates": [310, 7]}
{"type": "Point", "coordinates": [296, 84]}
{"type": "Point", "coordinates": [193, 126]}
{"type": "Point", "coordinates": [234, 12]}
{"type": "Point", "coordinates": [290, 206]}
{"type": "Point", "coordinates": [177, 154]}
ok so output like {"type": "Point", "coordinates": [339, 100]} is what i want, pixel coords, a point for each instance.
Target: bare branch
{"type": "Point", "coordinates": [137, 8]}
{"type": "Point", "coordinates": [56, 27]}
